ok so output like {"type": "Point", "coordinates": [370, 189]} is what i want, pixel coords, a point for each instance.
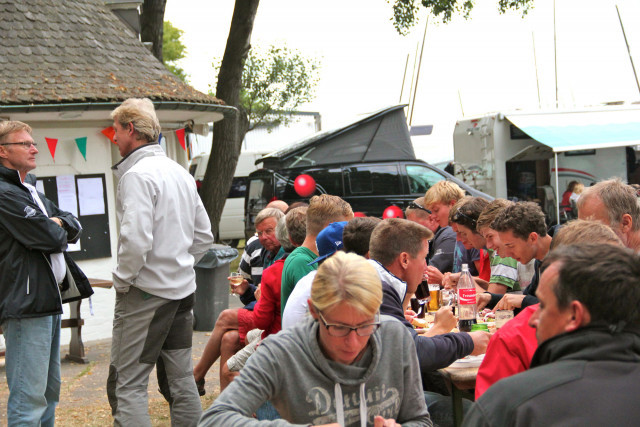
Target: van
{"type": "Point", "coordinates": [533, 156]}
{"type": "Point", "coordinates": [232, 219]}
{"type": "Point", "coordinates": [368, 187]}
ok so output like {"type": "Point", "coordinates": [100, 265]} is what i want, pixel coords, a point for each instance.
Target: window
{"type": "Point", "coordinates": [422, 178]}
{"type": "Point", "coordinates": [328, 181]}
{"type": "Point", "coordinates": [374, 180]}
{"type": "Point", "coordinates": [238, 187]}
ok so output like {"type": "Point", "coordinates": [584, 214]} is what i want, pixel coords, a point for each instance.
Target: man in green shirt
{"type": "Point", "coordinates": [322, 211]}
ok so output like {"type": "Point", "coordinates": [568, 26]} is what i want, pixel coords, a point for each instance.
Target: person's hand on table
{"type": "Point", "coordinates": [450, 280]}
{"type": "Point", "coordinates": [480, 342]}
{"type": "Point", "coordinates": [433, 275]}
{"type": "Point", "coordinates": [444, 322]}
{"type": "Point", "coordinates": [409, 315]}
{"type": "Point", "coordinates": [239, 289]}
{"type": "Point", "coordinates": [378, 421]}
{"type": "Point", "coordinates": [482, 299]}
{"type": "Point", "coordinates": [509, 302]}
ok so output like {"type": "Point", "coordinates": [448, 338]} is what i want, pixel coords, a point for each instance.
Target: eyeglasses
{"type": "Point", "coordinates": [25, 144]}
{"type": "Point", "coordinates": [344, 330]}
{"type": "Point", "coordinates": [458, 215]}
{"type": "Point", "coordinates": [268, 232]}
{"type": "Point", "coordinates": [414, 205]}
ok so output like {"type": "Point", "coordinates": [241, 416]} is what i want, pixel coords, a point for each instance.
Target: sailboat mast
{"type": "Point", "coordinates": [628, 49]}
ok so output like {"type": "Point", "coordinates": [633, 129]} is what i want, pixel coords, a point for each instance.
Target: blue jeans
{"type": "Point", "coordinates": [32, 363]}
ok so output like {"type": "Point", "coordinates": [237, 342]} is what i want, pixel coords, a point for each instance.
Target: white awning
{"type": "Point", "coordinates": [584, 130]}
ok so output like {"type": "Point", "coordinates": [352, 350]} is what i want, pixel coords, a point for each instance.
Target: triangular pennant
{"type": "Point", "coordinates": [52, 143]}
{"type": "Point", "coordinates": [180, 135]}
{"type": "Point", "coordinates": [82, 146]}
{"type": "Point", "coordinates": [109, 133]}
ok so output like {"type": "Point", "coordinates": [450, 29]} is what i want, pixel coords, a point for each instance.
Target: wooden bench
{"type": "Point", "coordinates": [75, 322]}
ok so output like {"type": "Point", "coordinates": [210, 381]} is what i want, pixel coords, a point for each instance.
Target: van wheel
{"type": "Point", "coordinates": [231, 242]}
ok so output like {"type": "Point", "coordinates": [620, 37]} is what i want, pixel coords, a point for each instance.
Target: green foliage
{"type": "Point", "coordinates": [405, 12]}
{"type": "Point", "coordinates": [274, 83]}
{"type": "Point", "coordinates": [173, 49]}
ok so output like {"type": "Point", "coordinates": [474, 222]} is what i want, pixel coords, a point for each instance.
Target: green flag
{"type": "Point", "coordinates": [82, 146]}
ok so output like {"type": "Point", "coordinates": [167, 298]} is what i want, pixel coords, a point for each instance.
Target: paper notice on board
{"type": "Point", "coordinates": [91, 196]}
{"type": "Point", "coordinates": [67, 200]}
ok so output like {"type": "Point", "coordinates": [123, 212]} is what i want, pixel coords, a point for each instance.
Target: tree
{"type": "Point", "coordinates": [405, 12]}
{"type": "Point", "coordinates": [151, 25]}
{"type": "Point", "coordinates": [275, 82]}
{"type": "Point", "coordinates": [225, 149]}
{"type": "Point", "coordinates": [173, 49]}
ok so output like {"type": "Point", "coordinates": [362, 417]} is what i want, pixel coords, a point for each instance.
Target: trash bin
{"type": "Point", "coordinates": [212, 286]}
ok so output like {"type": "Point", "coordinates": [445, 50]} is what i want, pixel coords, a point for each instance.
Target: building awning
{"type": "Point", "coordinates": [581, 130]}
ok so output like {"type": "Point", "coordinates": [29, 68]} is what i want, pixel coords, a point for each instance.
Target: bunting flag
{"type": "Point", "coordinates": [82, 146]}
{"type": "Point", "coordinates": [181, 139]}
{"type": "Point", "coordinates": [52, 143]}
{"type": "Point", "coordinates": [109, 133]}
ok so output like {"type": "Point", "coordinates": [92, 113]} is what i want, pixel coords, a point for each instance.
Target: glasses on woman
{"type": "Point", "coordinates": [336, 330]}
{"type": "Point", "coordinates": [414, 205]}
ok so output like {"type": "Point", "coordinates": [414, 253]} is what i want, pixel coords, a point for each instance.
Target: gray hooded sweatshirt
{"type": "Point", "coordinates": [290, 370]}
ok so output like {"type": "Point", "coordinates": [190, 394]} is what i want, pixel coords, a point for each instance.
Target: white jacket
{"type": "Point", "coordinates": [164, 228]}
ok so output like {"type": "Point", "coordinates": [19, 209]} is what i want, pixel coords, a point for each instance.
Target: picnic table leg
{"type": "Point", "coordinates": [76, 347]}
{"type": "Point", "coordinates": [456, 396]}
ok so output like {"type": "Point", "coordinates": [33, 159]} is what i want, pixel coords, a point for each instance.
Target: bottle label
{"type": "Point", "coordinates": [467, 296]}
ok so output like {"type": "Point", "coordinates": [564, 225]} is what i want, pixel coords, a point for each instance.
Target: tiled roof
{"type": "Point", "coordinates": [63, 51]}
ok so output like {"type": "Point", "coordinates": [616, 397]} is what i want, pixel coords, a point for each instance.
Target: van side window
{"type": "Point", "coordinates": [328, 181]}
{"type": "Point", "coordinates": [421, 178]}
{"type": "Point", "coordinates": [238, 187]}
{"type": "Point", "coordinates": [375, 179]}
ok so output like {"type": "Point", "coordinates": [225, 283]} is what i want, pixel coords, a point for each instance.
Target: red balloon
{"type": "Point", "coordinates": [359, 215]}
{"type": "Point", "coordinates": [304, 185]}
{"type": "Point", "coordinates": [392, 212]}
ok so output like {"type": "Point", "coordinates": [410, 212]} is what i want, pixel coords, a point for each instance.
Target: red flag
{"type": "Point", "coordinates": [52, 143]}
{"type": "Point", "coordinates": [109, 133]}
{"type": "Point", "coordinates": [180, 135]}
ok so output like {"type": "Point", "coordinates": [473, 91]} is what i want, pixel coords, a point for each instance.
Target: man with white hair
{"type": "Point", "coordinates": [615, 204]}
{"type": "Point", "coordinates": [164, 231]}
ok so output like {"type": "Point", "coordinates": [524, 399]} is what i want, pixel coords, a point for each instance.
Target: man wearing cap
{"type": "Point", "coordinates": [329, 241]}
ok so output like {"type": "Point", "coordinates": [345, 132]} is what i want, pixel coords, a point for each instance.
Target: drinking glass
{"type": "Point", "coordinates": [234, 280]}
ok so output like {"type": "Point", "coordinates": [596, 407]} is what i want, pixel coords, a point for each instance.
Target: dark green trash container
{"type": "Point", "coordinates": [212, 286]}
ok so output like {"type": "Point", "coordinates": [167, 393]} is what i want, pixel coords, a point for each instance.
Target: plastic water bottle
{"type": "Point", "coordinates": [467, 309]}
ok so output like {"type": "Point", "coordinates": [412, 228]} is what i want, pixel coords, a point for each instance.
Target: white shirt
{"type": "Point", "coordinates": [57, 260]}
{"type": "Point", "coordinates": [297, 305]}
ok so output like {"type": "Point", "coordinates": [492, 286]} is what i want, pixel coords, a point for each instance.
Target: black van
{"type": "Point", "coordinates": [369, 163]}
{"type": "Point", "coordinates": [369, 187]}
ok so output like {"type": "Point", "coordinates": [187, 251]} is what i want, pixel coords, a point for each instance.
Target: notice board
{"type": "Point", "coordinates": [85, 196]}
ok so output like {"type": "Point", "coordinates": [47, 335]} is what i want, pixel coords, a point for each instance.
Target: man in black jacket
{"type": "Point", "coordinates": [33, 273]}
{"type": "Point", "coordinates": [585, 370]}
{"type": "Point", "coordinates": [398, 248]}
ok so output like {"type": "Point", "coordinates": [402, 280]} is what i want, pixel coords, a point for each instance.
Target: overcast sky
{"type": "Point", "coordinates": [489, 63]}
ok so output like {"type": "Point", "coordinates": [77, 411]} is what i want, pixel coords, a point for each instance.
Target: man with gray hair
{"type": "Point", "coordinates": [164, 231]}
{"type": "Point", "coordinates": [34, 278]}
{"type": "Point", "coordinates": [615, 204]}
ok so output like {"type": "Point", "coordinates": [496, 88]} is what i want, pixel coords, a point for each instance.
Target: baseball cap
{"type": "Point", "coordinates": [329, 240]}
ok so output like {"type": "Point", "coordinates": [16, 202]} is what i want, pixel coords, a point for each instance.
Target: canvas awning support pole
{"type": "Point", "coordinates": [555, 159]}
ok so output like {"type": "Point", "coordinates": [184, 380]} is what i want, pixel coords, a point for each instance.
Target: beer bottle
{"type": "Point", "coordinates": [467, 309]}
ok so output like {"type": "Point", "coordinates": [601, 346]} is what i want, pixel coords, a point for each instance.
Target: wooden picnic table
{"type": "Point", "coordinates": [75, 322]}
{"type": "Point", "coordinates": [463, 384]}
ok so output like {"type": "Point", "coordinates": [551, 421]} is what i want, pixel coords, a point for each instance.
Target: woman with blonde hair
{"type": "Point", "coordinates": [346, 364]}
